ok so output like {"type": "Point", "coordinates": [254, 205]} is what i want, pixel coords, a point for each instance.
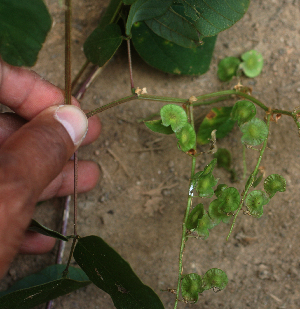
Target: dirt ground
{"type": "Point", "coordinates": [262, 258]}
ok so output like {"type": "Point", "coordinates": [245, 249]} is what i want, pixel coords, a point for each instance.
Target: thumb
{"type": "Point", "coordinates": [29, 160]}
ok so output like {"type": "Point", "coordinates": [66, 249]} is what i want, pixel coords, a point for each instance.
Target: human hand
{"type": "Point", "coordinates": [35, 148]}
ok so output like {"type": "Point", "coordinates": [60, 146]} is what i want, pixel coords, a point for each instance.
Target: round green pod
{"type": "Point", "coordinates": [174, 116]}
{"type": "Point", "coordinates": [186, 137]}
{"type": "Point", "coordinates": [274, 183]}
{"type": "Point", "coordinates": [215, 278]}
{"type": "Point", "coordinates": [243, 111]}
{"type": "Point", "coordinates": [194, 216]}
{"type": "Point", "coordinates": [215, 214]}
{"type": "Point", "coordinates": [229, 200]}
{"type": "Point", "coordinates": [252, 64]}
{"type": "Point", "coordinates": [255, 202]}
{"type": "Point", "coordinates": [254, 132]}
{"type": "Point", "coordinates": [191, 286]}
{"type": "Point", "coordinates": [205, 185]}
{"type": "Point", "coordinates": [227, 68]}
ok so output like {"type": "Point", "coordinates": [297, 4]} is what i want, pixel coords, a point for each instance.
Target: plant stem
{"type": "Point", "coordinates": [77, 77]}
{"type": "Point", "coordinates": [244, 162]}
{"type": "Point", "coordinates": [252, 176]}
{"type": "Point", "coordinates": [68, 23]}
{"type": "Point", "coordinates": [183, 236]}
{"type": "Point", "coordinates": [130, 65]}
{"type": "Point", "coordinates": [111, 104]}
{"type": "Point", "coordinates": [187, 212]}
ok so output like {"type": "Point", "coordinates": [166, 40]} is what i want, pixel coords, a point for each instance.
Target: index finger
{"type": "Point", "coordinates": [26, 93]}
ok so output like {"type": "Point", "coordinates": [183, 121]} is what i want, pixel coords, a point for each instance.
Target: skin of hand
{"type": "Point", "coordinates": [36, 143]}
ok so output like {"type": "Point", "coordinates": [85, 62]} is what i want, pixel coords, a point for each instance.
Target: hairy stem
{"type": "Point", "coordinates": [111, 104]}
{"type": "Point", "coordinates": [68, 23]}
{"type": "Point", "coordinates": [187, 212]}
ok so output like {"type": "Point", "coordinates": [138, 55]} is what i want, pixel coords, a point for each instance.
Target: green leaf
{"type": "Point", "coordinates": [191, 286]}
{"type": "Point", "coordinates": [257, 180]}
{"type": "Point", "coordinates": [173, 26]}
{"type": "Point", "coordinates": [158, 127]}
{"type": "Point", "coordinates": [254, 132]}
{"type": "Point", "coordinates": [209, 167]}
{"type": "Point", "coordinates": [229, 200]}
{"type": "Point", "coordinates": [146, 9]}
{"type": "Point", "coordinates": [215, 214]}
{"type": "Point", "coordinates": [186, 137]}
{"type": "Point", "coordinates": [174, 116]}
{"type": "Point", "coordinates": [227, 68]}
{"type": "Point", "coordinates": [274, 183]}
{"type": "Point", "coordinates": [41, 287]}
{"type": "Point", "coordinates": [223, 157]}
{"type": "Point", "coordinates": [129, 2]}
{"type": "Point", "coordinates": [39, 228]}
{"type": "Point", "coordinates": [24, 26]}
{"type": "Point", "coordinates": [217, 119]}
{"type": "Point", "coordinates": [112, 274]}
{"type": "Point", "coordinates": [215, 278]}
{"type": "Point", "coordinates": [195, 215]}
{"type": "Point", "coordinates": [243, 111]}
{"type": "Point", "coordinates": [169, 57]}
{"type": "Point", "coordinates": [111, 14]}
{"type": "Point", "coordinates": [187, 22]}
{"type": "Point", "coordinates": [102, 43]}
{"type": "Point", "coordinates": [253, 63]}
{"type": "Point", "coordinates": [255, 202]}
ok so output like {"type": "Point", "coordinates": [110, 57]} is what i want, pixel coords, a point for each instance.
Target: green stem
{"type": "Point", "coordinates": [244, 162]}
{"type": "Point", "coordinates": [163, 99]}
{"type": "Point", "coordinates": [187, 212]}
{"type": "Point", "coordinates": [252, 176]}
{"type": "Point", "coordinates": [111, 104]}
{"type": "Point", "coordinates": [183, 235]}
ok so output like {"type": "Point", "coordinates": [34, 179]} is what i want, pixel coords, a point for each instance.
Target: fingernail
{"type": "Point", "coordinates": [74, 120]}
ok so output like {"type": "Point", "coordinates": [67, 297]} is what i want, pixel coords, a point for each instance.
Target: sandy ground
{"type": "Point", "coordinates": [261, 258]}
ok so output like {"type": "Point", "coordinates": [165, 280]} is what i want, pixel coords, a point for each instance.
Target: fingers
{"type": "Point", "coordinates": [31, 93]}
{"type": "Point", "coordinates": [11, 122]}
{"type": "Point", "coordinates": [35, 243]}
{"type": "Point", "coordinates": [63, 184]}
{"type": "Point", "coordinates": [29, 160]}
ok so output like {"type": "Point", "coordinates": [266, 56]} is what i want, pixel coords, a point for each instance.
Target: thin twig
{"type": "Point", "coordinates": [130, 65]}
